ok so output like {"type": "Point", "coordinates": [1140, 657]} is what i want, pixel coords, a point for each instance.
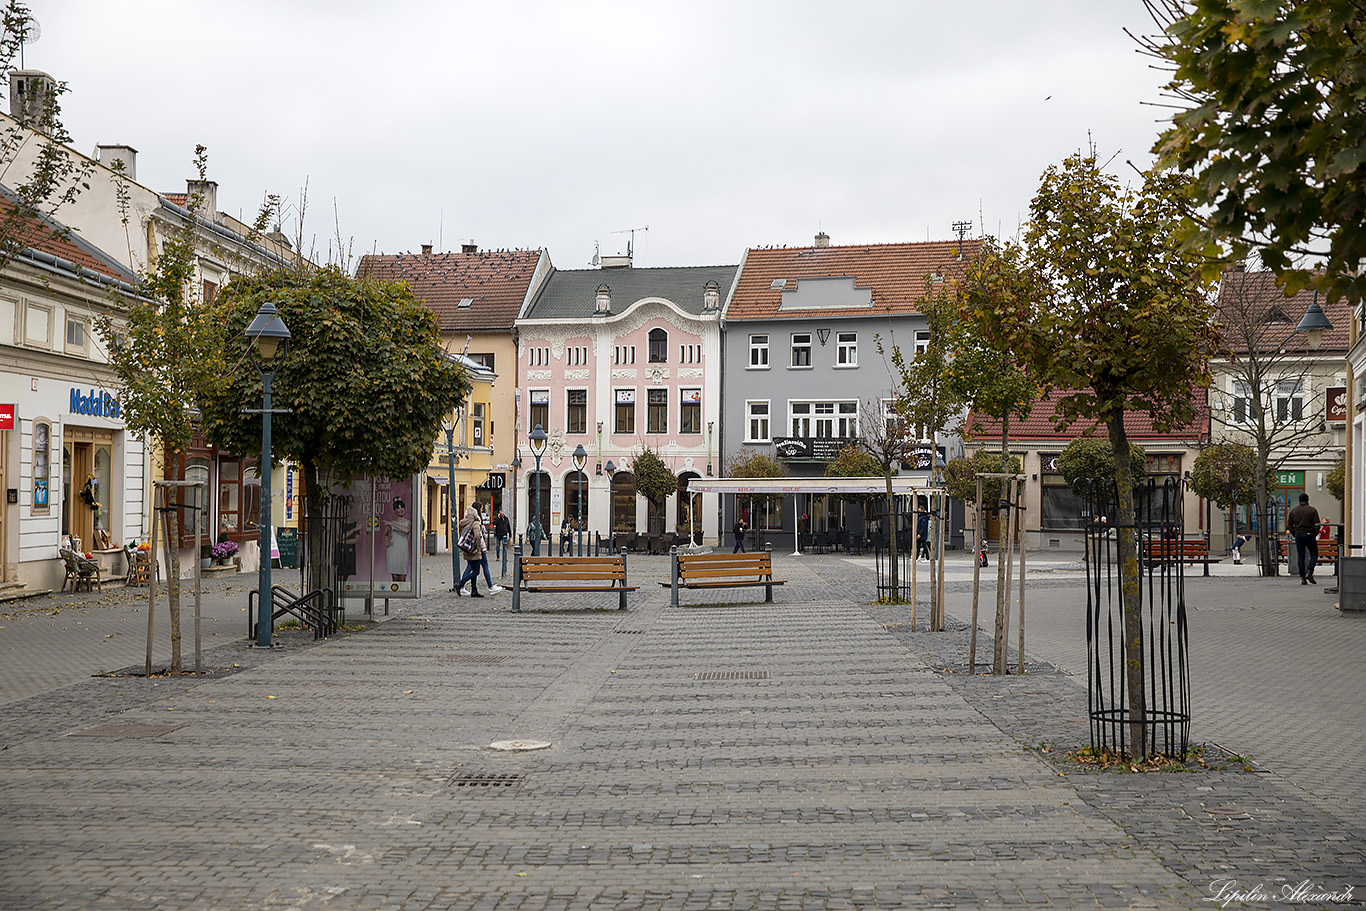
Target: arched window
{"type": "Point", "coordinates": [659, 346]}
{"type": "Point", "coordinates": [535, 480]}
{"type": "Point", "coordinates": [576, 498]}
{"type": "Point", "coordinates": [623, 501]}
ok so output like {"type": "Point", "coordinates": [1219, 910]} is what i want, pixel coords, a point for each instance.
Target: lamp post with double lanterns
{"type": "Point", "coordinates": [580, 462]}
{"type": "Point", "coordinates": [270, 337]}
{"type": "Point", "coordinates": [537, 438]}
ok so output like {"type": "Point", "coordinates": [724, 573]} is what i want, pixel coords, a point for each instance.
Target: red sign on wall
{"type": "Point", "coordinates": [1337, 404]}
{"type": "Point", "coordinates": [7, 417]}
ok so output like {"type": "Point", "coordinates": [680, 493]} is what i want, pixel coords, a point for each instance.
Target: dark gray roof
{"type": "Point", "coordinates": [571, 294]}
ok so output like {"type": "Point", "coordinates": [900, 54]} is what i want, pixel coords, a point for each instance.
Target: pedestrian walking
{"type": "Point", "coordinates": [502, 531]}
{"type": "Point", "coordinates": [739, 529]}
{"type": "Point", "coordinates": [476, 555]}
{"type": "Point", "coordinates": [922, 536]}
{"type": "Point", "coordinates": [1303, 524]}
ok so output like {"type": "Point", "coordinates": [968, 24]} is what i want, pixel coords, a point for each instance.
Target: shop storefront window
{"type": "Point", "coordinates": [42, 468]}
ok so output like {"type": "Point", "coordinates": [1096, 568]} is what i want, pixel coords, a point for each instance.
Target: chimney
{"type": "Point", "coordinates": [110, 155]}
{"type": "Point", "coordinates": [822, 239]}
{"type": "Point", "coordinates": [469, 246]}
{"type": "Point", "coordinates": [426, 249]}
{"type": "Point", "coordinates": [31, 97]}
{"type": "Point", "coordinates": [207, 191]}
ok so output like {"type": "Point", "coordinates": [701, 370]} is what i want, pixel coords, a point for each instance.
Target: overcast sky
{"type": "Point", "coordinates": [719, 125]}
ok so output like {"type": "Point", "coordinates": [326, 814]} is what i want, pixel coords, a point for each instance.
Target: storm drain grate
{"type": "Point", "coordinates": [629, 631]}
{"type": "Point", "coordinates": [486, 780]}
{"type": "Point", "coordinates": [474, 659]}
{"type": "Point", "coordinates": [127, 730]}
{"type": "Point", "coordinates": [731, 675]}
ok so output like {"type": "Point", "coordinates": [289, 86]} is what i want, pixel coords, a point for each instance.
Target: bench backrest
{"type": "Point", "coordinates": [720, 566]}
{"type": "Point", "coordinates": [574, 569]}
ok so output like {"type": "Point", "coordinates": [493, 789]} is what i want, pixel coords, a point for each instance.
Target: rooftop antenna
{"type": "Point", "coordinates": [440, 227]}
{"type": "Point", "coordinates": [961, 228]}
{"type": "Point", "coordinates": [632, 231]}
{"type": "Point", "coordinates": [32, 33]}
{"type": "Point", "coordinates": [597, 255]}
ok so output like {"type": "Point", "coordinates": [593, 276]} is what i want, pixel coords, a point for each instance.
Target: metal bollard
{"type": "Point", "coordinates": [517, 579]}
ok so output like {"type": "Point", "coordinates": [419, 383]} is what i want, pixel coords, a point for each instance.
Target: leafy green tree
{"type": "Point", "coordinates": [654, 480]}
{"type": "Point", "coordinates": [165, 350]}
{"type": "Point", "coordinates": [960, 476]}
{"type": "Point", "coordinates": [1086, 458]}
{"type": "Point", "coordinates": [1127, 326]}
{"type": "Point", "coordinates": [855, 461]}
{"type": "Point", "coordinates": [1336, 478]}
{"type": "Point", "coordinates": [1274, 98]}
{"type": "Point", "coordinates": [1226, 475]}
{"type": "Point", "coordinates": [759, 466]}
{"type": "Point", "coordinates": [365, 379]}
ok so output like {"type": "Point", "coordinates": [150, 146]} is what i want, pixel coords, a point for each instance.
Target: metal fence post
{"type": "Point", "coordinates": [517, 579]}
{"type": "Point", "coordinates": [673, 575]}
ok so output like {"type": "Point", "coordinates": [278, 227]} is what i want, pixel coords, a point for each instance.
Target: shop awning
{"type": "Point", "coordinates": [914, 482]}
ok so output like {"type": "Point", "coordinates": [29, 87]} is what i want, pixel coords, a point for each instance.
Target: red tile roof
{"type": "Point", "coordinates": [50, 237]}
{"type": "Point", "coordinates": [180, 199]}
{"type": "Point", "coordinates": [896, 273]}
{"type": "Point", "coordinates": [1255, 296]}
{"type": "Point", "coordinates": [495, 283]}
{"type": "Point", "coordinates": [1042, 425]}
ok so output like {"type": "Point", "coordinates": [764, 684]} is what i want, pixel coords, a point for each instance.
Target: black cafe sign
{"type": "Point", "coordinates": [922, 459]}
{"type": "Point", "coordinates": [496, 480]}
{"type": "Point", "coordinates": [810, 449]}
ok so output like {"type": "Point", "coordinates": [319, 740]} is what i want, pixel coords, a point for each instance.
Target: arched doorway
{"type": "Point", "coordinates": [575, 505]}
{"type": "Point", "coordinates": [623, 502]}
{"type": "Point", "coordinates": [689, 508]}
{"type": "Point", "coordinates": [539, 480]}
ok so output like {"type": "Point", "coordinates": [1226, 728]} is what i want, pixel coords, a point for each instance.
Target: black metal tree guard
{"type": "Point", "coordinates": [1158, 530]}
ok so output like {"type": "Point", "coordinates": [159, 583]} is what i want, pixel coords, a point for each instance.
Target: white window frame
{"type": "Point", "coordinates": [823, 418]}
{"type": "Point", "coordinates": [766, 418]}
{"type": "Point", "coordinates": [922, 340]}
{"type": "Point", "coordinates": [567, 406]}
{"type": "Point", "coordinates": [616, 390]}
{"type": "Point", "coordinates": [758, 352]}
{"type": "Point", "coordinates": [76, 322]}
{"type": "Point", "coordinates": [684, 402]}
{"type": "Point", "coordinates": [799, 346]}
{"type": "Point", "coordinates": [846, 350]}
{"type": "Point", "coordinates": [531, 402]}
{"type": "Point", "coordinates": [650, 410]}
{"type": "Point", "coordinates": [1290, 396]}
{"type": "Point", "coordinates": [1240, 405]}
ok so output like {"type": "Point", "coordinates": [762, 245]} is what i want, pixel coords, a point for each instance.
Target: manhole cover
{"type": "Point", "coordinates": [517, 746]}
{"type": "Point", "coordinates": [731, 675]}
{"type": "Point", "coordinates": [481, 780]}
{"type": "Point", "coordinates": [127, 730]}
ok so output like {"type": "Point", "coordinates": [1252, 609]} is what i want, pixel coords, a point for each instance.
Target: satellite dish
{"type": "Point", "coordinates": [31, 36]}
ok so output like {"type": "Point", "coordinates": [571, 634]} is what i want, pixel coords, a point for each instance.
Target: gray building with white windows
{"type": "Point", "coordinates": [803, 373]}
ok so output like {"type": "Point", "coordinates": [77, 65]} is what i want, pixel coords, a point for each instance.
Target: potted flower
{"type": "Point", "coordinates": [223, 551]}
{"type": "Point", "coordinates": [205, 555]}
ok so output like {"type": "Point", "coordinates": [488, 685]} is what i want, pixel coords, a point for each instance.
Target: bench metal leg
{"type": "Point", "coordinates": [673, 576]}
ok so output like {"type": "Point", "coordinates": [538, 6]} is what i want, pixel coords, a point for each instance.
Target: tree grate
{"type": "Point", "coordinates": [474, 659]}
{"type": "Point", "coordinates": [482, 780]}
{"type": "Point", "coordinates": [731, 675]}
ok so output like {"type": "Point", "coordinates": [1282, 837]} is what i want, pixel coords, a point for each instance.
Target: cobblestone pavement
{"type": "Point", "coordinates": [812, 753]}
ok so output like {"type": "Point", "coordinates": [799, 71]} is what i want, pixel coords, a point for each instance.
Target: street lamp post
{"type": "Point", "coordinates": [537, 437]}
{"type": "Point", "coordinates": [580, 462]}
{"type": "Point", "coordinates": [271, 337]}
{"type": "Point", "coordinates": [611, 468]}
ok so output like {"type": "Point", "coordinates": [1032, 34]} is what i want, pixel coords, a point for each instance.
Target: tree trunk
{"type": "Point", "coordinates": [1000, 646]}
{"type": "Point", "coordinates": [316, 532]}
{"type": "Point", "coordinates": [1268, 555]}
{"type": "Point", "coordinates": [174, 494]}
{"type": "Point", "coordinates": [1126, 548]}
{"type": "Point", "coordinates": [893, 576]}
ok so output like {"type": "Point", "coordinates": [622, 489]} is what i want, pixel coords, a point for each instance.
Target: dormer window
{"type": "Point", "coordinates": [603, 300]}
{"type": "Point", "coordinates": [659, 346]}
{"type": "Point", "coordinates": [711, 296]}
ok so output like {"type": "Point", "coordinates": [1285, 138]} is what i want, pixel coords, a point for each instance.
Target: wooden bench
{"type": "Point", "coordinates": [1158, 550]}
{"type": "Point", "coordinates": [1328, 553]}
{"type": "Point", "coordinates": [721, 571]}
{"type": "Point", "coordinates": [568, 574]}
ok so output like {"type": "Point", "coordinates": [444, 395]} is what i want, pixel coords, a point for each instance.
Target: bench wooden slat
{"type": "Point", "coordinates": [570, 574]}
{"type": "Point", "coordinates": [580, 588]}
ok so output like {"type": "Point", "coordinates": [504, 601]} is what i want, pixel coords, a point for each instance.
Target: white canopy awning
{"type": "Point", "coordinates": [914, 482]}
